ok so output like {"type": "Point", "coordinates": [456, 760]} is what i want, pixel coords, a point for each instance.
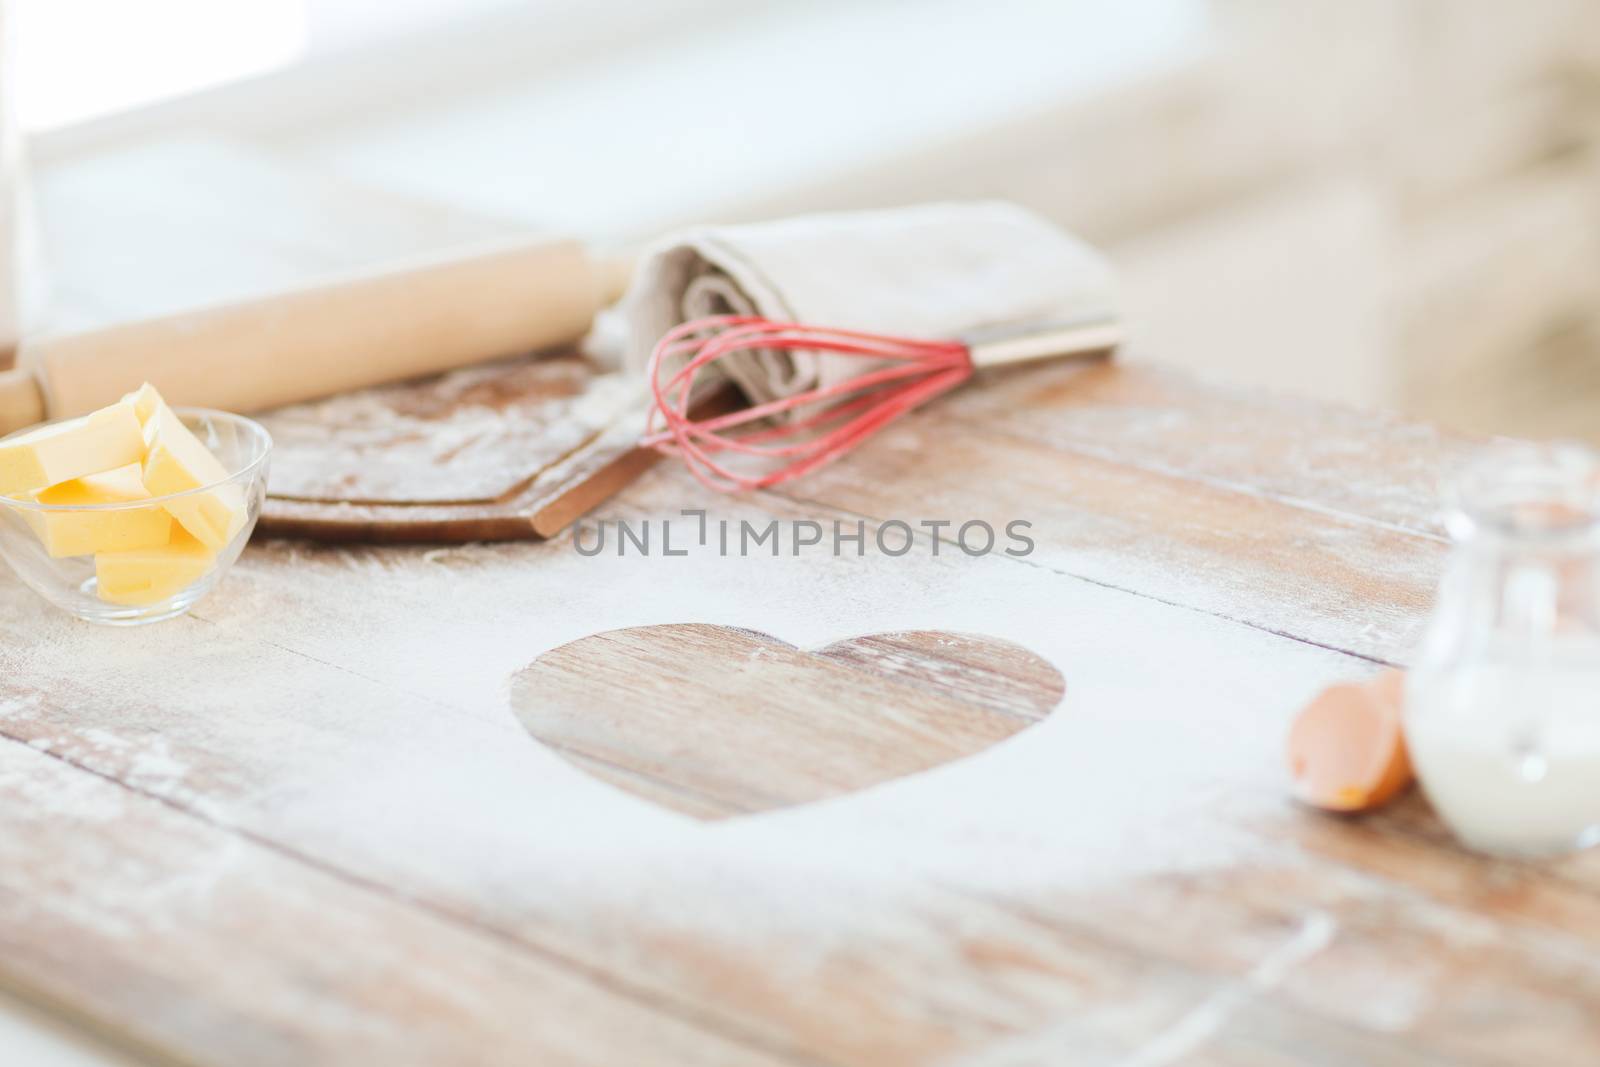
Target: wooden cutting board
{"type": "Point", "coordinates": [504, 451]}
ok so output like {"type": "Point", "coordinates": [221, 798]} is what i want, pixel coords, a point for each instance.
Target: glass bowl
{"type": "Point", "coordinates": [159, 583]}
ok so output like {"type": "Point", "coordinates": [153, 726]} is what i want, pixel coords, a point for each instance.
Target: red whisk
{"type": "Point", "coordinates": [799, 433]}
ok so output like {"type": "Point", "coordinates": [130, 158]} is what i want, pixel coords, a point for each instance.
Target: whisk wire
{"type": "Point", "coordinates": [846, 412]}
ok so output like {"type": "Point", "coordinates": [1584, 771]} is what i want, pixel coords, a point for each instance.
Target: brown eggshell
{"type": "Point", "coordinates": [1346, 748]}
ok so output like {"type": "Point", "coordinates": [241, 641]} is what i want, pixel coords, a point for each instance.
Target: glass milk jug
{"type": "Point", "coordinates": [1503, 703]}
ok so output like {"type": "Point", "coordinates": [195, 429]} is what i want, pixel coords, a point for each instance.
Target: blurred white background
{"type": "Point", "coordinates": [1389, 202]}
{"type": "Point", "coordinates": [86, 59]}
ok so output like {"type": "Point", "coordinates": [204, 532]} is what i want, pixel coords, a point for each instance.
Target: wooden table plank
{"type": "Point", "coordinates": [1315, 574]}
{"type": "Point", "coordinates": [1387, 960]}
{"type": "Point", "coordinates": [1354, 462]}
{"type": "Point", "coordinates": [192, 944]}
{"type": "Point", "coordinates": [790, 726]}
{"type": "Point", "coordinates": [311, 773]}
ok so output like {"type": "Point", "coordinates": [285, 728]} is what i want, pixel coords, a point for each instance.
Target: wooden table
{"type": "Point", "coordinates": [306, 825]}
{"type": "Point", "coordinates": [309, 823]}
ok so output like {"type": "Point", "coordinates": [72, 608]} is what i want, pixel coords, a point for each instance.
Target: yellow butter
{"type": "Point", "coordinates": [148, 575]}
{"type": "Point", "coordinates": [108, 439]}
{"type": "Point", "coordinates": [176, 461]}
{"type": "Point", "coordinates": [145, 401]}
{"type": "Point", "coordinates": [83, 533]}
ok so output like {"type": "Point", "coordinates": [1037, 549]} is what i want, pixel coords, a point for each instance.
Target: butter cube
{"type": "Point", "coordinates": [83, 533]}
{"type": "Point", "coordinates": [148, 575]}
{"type": "Point", "coordinates": [176, 461]}
{"type": "Point", "coordinates": [103, 441]}
{"type": "Point", "coordinates": [145, 401]}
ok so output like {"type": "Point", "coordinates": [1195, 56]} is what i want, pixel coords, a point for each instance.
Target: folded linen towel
{"type": "Point", "coordinates": [934, 271]}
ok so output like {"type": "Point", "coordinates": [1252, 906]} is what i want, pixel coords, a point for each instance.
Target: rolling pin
{"type": "Point", "coordinates": [403, 322]}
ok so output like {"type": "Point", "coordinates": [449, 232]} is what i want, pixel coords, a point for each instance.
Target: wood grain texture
{"type": "Point", "coordinates": [1215, 504]}
{"type": "Point", "coordinates": [1364, 464]}
{"type": "Point", "coordinates": [961, 915]}
{"type": "Point", "coordinates": [1238, 554]}
{"type": "Point", "coordinates": [307, 823]}
{"type": "Point", "coordinates": [785, 726]}
{"type": "Point", "coordinates": [299, 964]}
{"type": "Point", "coordinates": [507, 450]}
{"type": "Point", "coordinates": [467, 437]}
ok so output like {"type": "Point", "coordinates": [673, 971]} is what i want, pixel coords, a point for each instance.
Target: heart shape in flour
{"type": "Point", "coordinates": [715, 721]}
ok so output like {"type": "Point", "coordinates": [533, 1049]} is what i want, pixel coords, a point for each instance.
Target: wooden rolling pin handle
{"type": "Point", "coordinates": [345, 334]}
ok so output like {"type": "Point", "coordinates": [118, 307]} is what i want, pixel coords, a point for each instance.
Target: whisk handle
{"type": "Point", "coordinates": [997, 346]}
